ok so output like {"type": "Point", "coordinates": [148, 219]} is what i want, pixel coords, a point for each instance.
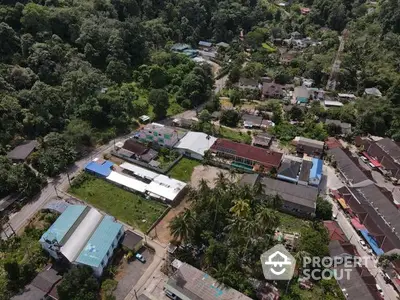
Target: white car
{"type": "Point", "coordinates": [380, 291]}
{"type": "Point", "coordinates": [364, 159]}
{"type": "Point", "coordinates": [363, 245]}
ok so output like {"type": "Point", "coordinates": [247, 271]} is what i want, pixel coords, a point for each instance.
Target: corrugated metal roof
{"type": "Point", "coordinates": [99, 243]}
{"type": "Point", "coordinates": [138, 171]}
{"type": "Point", "coordinates": [64, 223]}
{"type": "Point", "coordinates": [129, 182]}
{"type": "Point", "coordinates": [197, 142]}
{"type": "Point", "coordinates": [164, 187]}
{"type": "Point", "coordinates": [78, 239]}
{"type": "Point", "coordinates": [316, 170]}
{"type": "Point", "coordinates": [102, 168]}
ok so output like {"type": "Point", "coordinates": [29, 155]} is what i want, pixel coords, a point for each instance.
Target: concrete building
{"type": "Point", "coordinates": [83, 236]}
{"type": "Point", "coordinates": [194, 144]}
{"type": "Point", "coordinates": [308, 146]}
{"type": "Point", "coordinates": [159, 134]}
{"type": "Point", "coordinates": [189, 283]}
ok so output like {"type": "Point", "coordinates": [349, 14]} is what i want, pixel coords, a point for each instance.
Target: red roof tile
{"type": "Point", "coordinates": [261, 155]}
{"type": "Point", "coordinates": [335, 232]}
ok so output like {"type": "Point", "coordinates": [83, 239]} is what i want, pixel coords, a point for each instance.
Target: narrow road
{"type": "Point", "coordinates": [331, 85]}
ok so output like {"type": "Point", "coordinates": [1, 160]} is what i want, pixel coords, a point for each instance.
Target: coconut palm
{"type": "Point", "coordinates": [240, 209]}
{"type": "Point", "coordinates": [221, 180]}
{"type": "Point", "coordinates": [181, 226]}
{"type": "Point", "coordinates": [267, 220]}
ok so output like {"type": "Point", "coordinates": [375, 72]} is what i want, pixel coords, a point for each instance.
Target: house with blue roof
{"type": "Point", "coordinates": [316, 172]}
{"type": "Point", "coordinates": [83, 236]}
{"type": "Point", "coordinates": [99, 167]}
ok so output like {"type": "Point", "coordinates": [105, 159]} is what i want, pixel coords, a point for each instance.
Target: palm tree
{"type": "Point", "coordinates": [267, 220]}
{"type": "Point", "coordinates": [240, 209]}
{"type": "Point", "coordinates": [223, 274]}
{"type": "Point", "coordinates": [233, 175]}
{"type": "Point", "coordinates": [221, 179]}
{"type": "Point", "coordinates": [181, 227]}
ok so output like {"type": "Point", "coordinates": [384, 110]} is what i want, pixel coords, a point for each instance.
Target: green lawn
{"type": "Point", "coordinates": [291, 223]}
{"type": "Point", "coordinates": [236, 136]}
{"type": "Point", "coordinates": [183, 169]}
{"type": "Point", "coordinates": [128, 207]}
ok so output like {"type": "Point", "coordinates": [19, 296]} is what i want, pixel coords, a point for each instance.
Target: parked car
{"type": "Point", "coordinates": [363, 245]}
{"type": "Point", "coordinates": [140, 257]}
{"type": "Point", "coordinates": [380, 291]}
{"type": "Point", "coordinates": [364, 159]}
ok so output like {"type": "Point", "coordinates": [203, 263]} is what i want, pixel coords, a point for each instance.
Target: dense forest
{"type": "Point", "coordinates": [74, 74]}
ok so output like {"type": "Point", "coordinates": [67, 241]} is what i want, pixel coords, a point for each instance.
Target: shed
{"type": "Point", "coordinates": [22, 151]}
{"type": "Point", "coordinates": [132, 241]}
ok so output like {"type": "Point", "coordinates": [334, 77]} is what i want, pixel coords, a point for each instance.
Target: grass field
{"type": "Point", "coordinates": [183, 169]}
{"type": "Point", "coordinates": [130, 208]}
{"type": "Point", "coordinates": [290, 223]}
{"type": "Point", "coordinates": [236, 136]}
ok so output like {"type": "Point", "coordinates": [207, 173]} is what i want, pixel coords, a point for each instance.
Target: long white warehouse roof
{"type": "Point", "coordinates": [81, 235]}
{"type": "Point", "coordinates": [129, 182]}
{"type": "Point", "coordinates": [138, 171]}
{"type": "Point", "coordinates": [165, 188]}
{"type": "Point", "coordinates": [197, 142]}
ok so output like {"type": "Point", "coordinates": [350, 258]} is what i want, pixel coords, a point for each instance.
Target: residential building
{"type": "Point", "coordinates": [132, 241]}
{"type": "Point", "coordinates": [373, 92]}
{"type": "Point", "coordinates": [309, 146]}
{"type": "Point", "coordinates": [347, 167]}
{"type": "Point", "coordinates": [223, 45]}
{"type": "Point", "coordinates": [344, 127]}
{"type": "Point", "coordinates": [289, 170]}
{"type": "Point", "coordinates": [243, 154]}
{"type": "Point", "coordinates": [99, 167]}
{"type": "Point", "coordinates": [300, 95]}
{"type": "Point", "coordinates": [189, 283]}
{"type": "Point", "coordinates": [296, 35]}
{"type": "Point", "coordinates": [332, 103]}
{"type": "Point", "coordinates": [184, 123]}
{"type": "Point", "coordinates": [316, 172]}
{"type": "Point", "coordinates": [272, 90]}
{"type": "Point", "coordinates": [205, 45]}
{"type": "Point", "coordinates": [305, 170]}
{"type": "Point", "coordinates": [251, 121]}
{"type": "Point", "coordinates": [248, 83]}
{"type": "Point", "coordinates": [347, 97]}
{"type": "Point", "coordinates": [263, 140]}
{"type": "Point", "coordinates": [195, 144]}
{"type": "Point", "coordinates": [297, 199]}
{"type": "Point", "coordinates": [160, 135]}
{"type": "Point", "coordinates": [22, 151]}
{"type": "Point", "coordinates": [83, 236]}
{"type": "Point", "coordinates": [135, 150]}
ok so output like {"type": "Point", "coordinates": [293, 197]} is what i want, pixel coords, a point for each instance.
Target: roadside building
{"type": "Point", "coordinates": [83, 236]}
{"type": "Point", "coordinates": [300, 95]}
{"type": "Point", "coordinates": [289, 170]}
{"type": "Point", "coordinates": [135, 150]}
{"type": "Point", "coordinates": [316, 172]}
{"type": "Point", "coordinates": [297, 199]}
{"type": "Point", "coordinates": [195, 144]}
{"type": "Point", "coordinates": [246, 155]}
{"type": "Point", "coordinates": [160, 135]}
{"type": "Point", "coordinates": [347, 168]}
{"type": "Point", "coordinates": [251, 121]}
{"type": "Point", "coordinates": [263, 140]}
{"type": "Point", "coordinates": [373, 92]}
{"type": "Point", "coordinates": [99, 167]}
{"type": "Point", "coordinates": [272, 90]}
{"type": "Point", "coordinates": [248, 83]}
{"type": "Point", "coordinates": [190, 283]}
{"type": "Point", "coordinates": [22, 151]}
{"type": "Point", "coordinates": [308, 146]}
{"type": "Point", "coordinates": [132, 241]}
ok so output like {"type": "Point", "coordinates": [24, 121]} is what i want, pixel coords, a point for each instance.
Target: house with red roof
{"type": "Point", "coordinates": [249, 157]}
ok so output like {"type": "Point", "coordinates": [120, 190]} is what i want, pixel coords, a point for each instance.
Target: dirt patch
{"type": "Point", "coordinates": [208, 173]}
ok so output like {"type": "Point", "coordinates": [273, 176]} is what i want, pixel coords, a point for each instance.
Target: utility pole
{"type": "Point", "coordinates": [69, 180]}
{"type": "Point", "coordinates": [136, 295]}
{"type": "Point", "coordinates": [56, 191]}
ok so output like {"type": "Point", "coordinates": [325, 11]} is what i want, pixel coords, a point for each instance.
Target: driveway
{"type": "Point", "coordinates": [130, 274]}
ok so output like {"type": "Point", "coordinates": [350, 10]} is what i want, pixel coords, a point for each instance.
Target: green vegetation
{"type": "Point", "coordinates": [183, 169]}
{"type": "Point", "coordinates": [237, 136]}
{"type": "Point", "coordinates": [166, 157]}
{"type": "Point", "coordinates": [291, 223]}
{"type": "Point", "coordinates": [79, 284]}
{"type": "Point", "coordinates": [128, 207]}
{"type": "Point", "coordinates": [22, 256]}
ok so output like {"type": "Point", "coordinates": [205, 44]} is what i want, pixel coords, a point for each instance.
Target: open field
{"type": "Point", "coordinates": [236, 136]}
{"type": "Point", "coordinates": [130, 208]}
{"type": "Point", "coordinates": [290, 223]}
{"type": "Point", "coordinates": [183, 169]}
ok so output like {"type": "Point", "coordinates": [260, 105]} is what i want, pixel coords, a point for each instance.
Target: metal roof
{"type": "Point", "coordinates": [139, 171]}
{"type": "Point", "coordinates": [79, 237]}
{"type": "Point", "coordinates": [100, 242]}
{"type": "Point", "coordinates": [164, 187]}
{"type": "Point", "coordinates": [22, 151]}
{"type": "Point", "coordinates": [191, 283]}
{"type": "Point", "coordinates": [316, 170]}
{"type": "Point", "coordinates": [100, 167]}
{"type": "Point", "coordinates": [129, 182]}
{"type": "Point", "coordinates": [197, 142]}
{"type": "Point", "coordinates": [205, 44]}
{"type": "Point", "coordinates": [63, 223]}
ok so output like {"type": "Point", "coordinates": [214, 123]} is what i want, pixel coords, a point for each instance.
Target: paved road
{"type": "Point", "coordinates": [370, 261]}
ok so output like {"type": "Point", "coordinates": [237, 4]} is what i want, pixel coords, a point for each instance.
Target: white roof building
{"type": "Point", "coordinates": [129, 182]}
{"type": "Point", "coordinates": [194, 144]}
{"type": "Point", "coordinates": [165, 188]}
{"type": "Point", "coordinates": [333, 103]}
{"type": "Point", "coordinates": [138, 171]}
